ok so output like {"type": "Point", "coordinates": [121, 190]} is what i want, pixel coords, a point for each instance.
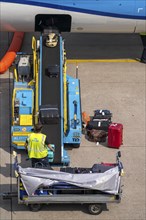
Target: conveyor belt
{"type": "Point", "coordinates": [51, 95]}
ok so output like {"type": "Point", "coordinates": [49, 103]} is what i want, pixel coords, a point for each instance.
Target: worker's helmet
{"type": "Point", "coordinates": [38, 127]}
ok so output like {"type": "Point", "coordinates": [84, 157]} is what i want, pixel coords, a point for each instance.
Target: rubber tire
{"type": "Point", "coordinates": [35, 207]}
{"type": "Point", "coordinates": [95, 209]}
{"type": "Point", "coordinates": [76, 145]}
{"type": "Point", "coordinates": [71, 146]}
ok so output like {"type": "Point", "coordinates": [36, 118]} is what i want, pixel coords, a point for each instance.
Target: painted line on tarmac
{"type": "Point", "coordinates": [69, 61]}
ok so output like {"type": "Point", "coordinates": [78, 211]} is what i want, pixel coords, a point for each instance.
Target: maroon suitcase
{"type": "Point", "coordinates": [115, 135]}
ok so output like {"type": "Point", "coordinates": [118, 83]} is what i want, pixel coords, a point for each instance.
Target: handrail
{"type": "Point", "coordinates": [35, 77]}
{"type": "Point", "coordinates": [65, 94]}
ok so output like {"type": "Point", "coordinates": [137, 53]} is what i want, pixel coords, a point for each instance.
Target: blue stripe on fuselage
{"type": "Point", "coordinates": [77, 6]}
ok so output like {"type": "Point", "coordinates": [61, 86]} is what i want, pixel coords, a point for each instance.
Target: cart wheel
{"type": "Point", "coordinates": [35, 207]}
{"type": "Point", "coordinates": [76, 145]}
{"type": "Point", "coordinates": [71, 145]}
{"type": "Point", "coordinates": [95, 209]}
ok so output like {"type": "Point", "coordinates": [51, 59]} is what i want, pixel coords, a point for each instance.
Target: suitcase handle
{"type": "Point", "coordinates": [114, 124]}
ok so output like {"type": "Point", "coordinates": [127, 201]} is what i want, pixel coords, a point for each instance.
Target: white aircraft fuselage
{"type": "Point", "coordinates": [87, 16]}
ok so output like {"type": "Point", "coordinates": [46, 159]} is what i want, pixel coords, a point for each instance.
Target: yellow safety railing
{"type": "Point", "coordinates": [22, 133]}
{"type": "Point", "coordinates": [15, 75]}
{"type": "Point", "coordinates": [21, 144]}
{"type": "Point", "coordinates": [35, 74]}
{"type": "Point", "coordinates": [65, 95]}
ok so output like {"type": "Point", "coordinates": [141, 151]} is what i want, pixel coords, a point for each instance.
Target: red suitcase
{"type": "Point", "coordinates": [115, 135]}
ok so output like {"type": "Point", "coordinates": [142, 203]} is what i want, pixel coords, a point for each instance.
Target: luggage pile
{"type": "Point", "coordinates": [100, 126]}
{"type": "Point", "coordinates": [100, 121]}
{"type": "Point", "coordinates": [96, 135]}
{"type": "Point", "coordinates": [96, 168]}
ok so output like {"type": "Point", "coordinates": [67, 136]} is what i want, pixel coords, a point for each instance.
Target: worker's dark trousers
{"type": "Point", "coordinates": [143, 56]}
{"type": "Point", "coordinates": [40, 163]}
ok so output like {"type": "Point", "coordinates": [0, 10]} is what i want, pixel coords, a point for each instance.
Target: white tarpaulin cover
{"type": "Point", "coordinates": [33, 178]}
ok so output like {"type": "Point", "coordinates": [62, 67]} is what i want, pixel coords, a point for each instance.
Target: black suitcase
{"type": "Point", "coordinates": [68, 169]}
{"type": "Point", "coordinates": [102, 114]}
{"type": "Point", "coordinates": [98, 125]}
{"type": "Point", "coordinates": [49, 114]}
{"type": "Point", "coordinates": [83, 170]}
{"type": "Point", "coordinates": [75, 170]}
{"type": "Point", "coordinates": [100, 168]}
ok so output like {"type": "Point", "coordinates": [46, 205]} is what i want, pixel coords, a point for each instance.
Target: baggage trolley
{"type": "Point", "coordinates": [63, 193]}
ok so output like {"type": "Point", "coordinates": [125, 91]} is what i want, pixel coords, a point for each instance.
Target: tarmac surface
{"type": "Point", "coordinates": [118, 86]}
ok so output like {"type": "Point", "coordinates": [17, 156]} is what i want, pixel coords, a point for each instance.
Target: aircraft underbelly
{"type": "Point", "coordinates": [17, 17]}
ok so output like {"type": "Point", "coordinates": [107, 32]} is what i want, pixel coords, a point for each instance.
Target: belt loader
{"type": "Point", "coordinates": [43, 92]}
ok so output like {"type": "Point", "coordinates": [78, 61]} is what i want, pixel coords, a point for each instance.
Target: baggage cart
{"type": "Point", "coordinates": [73, 192]}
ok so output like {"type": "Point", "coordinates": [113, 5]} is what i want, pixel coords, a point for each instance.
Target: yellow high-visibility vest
{"type": "Point", "coordinates": [143, 33]}
{"type": "Point", "coordinates": [36, 146]}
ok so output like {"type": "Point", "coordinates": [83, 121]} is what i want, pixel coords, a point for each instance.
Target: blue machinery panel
{"type": "Point", "coordinates": [73, 135]}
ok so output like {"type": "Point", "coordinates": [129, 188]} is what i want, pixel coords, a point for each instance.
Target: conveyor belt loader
{"type": "Point", "coordinates": [43, 92]}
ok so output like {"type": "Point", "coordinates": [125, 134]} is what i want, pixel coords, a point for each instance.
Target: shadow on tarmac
{"type": "Point", "coordinates": [87, 45]}
{"type": "Point", "coordinates": [8, 169]}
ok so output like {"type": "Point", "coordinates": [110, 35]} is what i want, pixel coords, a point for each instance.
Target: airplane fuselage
{"type": "Point", "coordinates": [94, 16]}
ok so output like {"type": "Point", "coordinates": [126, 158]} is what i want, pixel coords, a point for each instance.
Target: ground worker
{"type": "Point", "coordinates": [37, 146]}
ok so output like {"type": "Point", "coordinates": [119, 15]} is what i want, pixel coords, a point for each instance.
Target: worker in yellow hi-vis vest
{"type": "Point", "coordinates": [37, 145]}
{"type": "Point", "coordinates": [143, 56]}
